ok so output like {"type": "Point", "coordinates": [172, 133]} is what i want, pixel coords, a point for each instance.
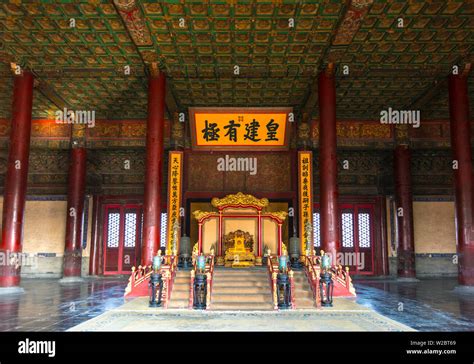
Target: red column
{"type": "Point", "coordinates": [95, 237]}
{"type": "Point", "coordinates": [16, 178]}
{"type": "Point", "coordinates": [75, 213]}
{"type": "Point", "coordinates": [404, 205]}
{"type": "Point", "coordinates": [154, 164]}
{"type": "Point", "coordinates": [461, 146]}
{"type": "Point", "coordinates": [328, 165]}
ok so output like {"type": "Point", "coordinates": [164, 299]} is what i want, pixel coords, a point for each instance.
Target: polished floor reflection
{"type": "Point", "coordinates": [427, 305]}
{"type": "Point", "coordinates": [47, 305]}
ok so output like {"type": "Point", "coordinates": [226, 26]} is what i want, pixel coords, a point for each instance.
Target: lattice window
{"type": "Point", "coordinates": [141, 227]}
{"type": "Point", "coordinates": [113, 229]}
{"type": "Point", "coordinates": [130, 229]}
{"type": "Point", "coordinates": [347, 230]}
{"type": "Point", "coordinates": [164, 224]}
{"type": "Point", "coordinates": [316, 229]}
{"type": "Point", "coordinates": [364, 229]}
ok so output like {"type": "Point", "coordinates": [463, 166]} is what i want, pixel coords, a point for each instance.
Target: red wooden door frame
{"type": "Point", "coordinates": [121, 243]}
{"type": "Point", "coordinates": [137, 209]}
{"type": "Point", "coordinates": [354, 207]}
{"type": "Point", "coordinates": [105, 232]}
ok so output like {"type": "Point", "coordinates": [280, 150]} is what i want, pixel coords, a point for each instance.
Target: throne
{"type": "Point", "coordinates": [238, 247]}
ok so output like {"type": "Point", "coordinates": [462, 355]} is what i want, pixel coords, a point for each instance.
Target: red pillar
{"type": "Point", "coordinates": [16, 178]}
{"type": "Point", "coordinates": [404, 205]}
{"type": "Point", "coordinates": [328, 164]}
{"type": "Point", "coordinates": [461, 146]}
{"type": "Point", "coordinates": [154, 164]}
{"type": "Point", "coordinates": [95, 237]}
{"type": "Point", "coordinates": [75, 213]}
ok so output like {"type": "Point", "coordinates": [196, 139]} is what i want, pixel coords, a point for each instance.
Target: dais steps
{"type": "Point", "coordinates": [303, 293]}
{"type": "Point", "coordinates": [180, 292]}
{"type": "Point", "coordinates": [238, 289]}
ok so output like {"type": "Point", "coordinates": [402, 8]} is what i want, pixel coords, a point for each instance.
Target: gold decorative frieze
{"type": "Point", "coordinates": [199, 214]}
{"type": "Point", "coordinates": [239, 199]}
{"type": "Point", "coordinates": [280, 215]}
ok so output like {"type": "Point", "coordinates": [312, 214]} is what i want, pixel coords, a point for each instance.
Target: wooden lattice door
{"type": "Point", "coordinates": [122, 238]}
{"type": "Point", "coordinates": [357, 233]}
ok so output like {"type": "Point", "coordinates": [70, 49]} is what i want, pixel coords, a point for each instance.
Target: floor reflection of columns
{"type": "Point", "coordinates": [49, 306]}
{"type": "Point", "coordinates": [430, 304]}
{"type": "Point", "coordinates": [433, 304]}
{"type": "Point", "coordinates": [466, 305]}
{"type": "Point", "coordinates": [9, 313]}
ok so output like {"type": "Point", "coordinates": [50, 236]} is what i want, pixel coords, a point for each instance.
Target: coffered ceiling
{"type": "Point", "coordinates": [236, 53]}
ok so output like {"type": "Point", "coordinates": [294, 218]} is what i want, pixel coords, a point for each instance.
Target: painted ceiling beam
{"type": "Point", "coordinates": [428, 95]}
{"type": "Point", "coordinates": [135, 23]}
{"type": "Point", "coordinates": [349, 25]}
{"type": "Point", "coordinates": [170, 101]}
{"type": "Point", "coordinates": [50, 93]}
{"type": "Point", "coordinates": [439, 84]}
{"type": "Point", "coordinates": [134, 20]}
{"type": "Point", "coordinates": [351, 22]}
{"type": "Point", "coordinates": [39, 84]}
{"type": "Point", "coordinates": [311, 100]}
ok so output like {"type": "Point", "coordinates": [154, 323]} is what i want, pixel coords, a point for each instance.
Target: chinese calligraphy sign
{"type": "Point", "coordinates": [239, 128]}
{"type": "Point", "coordinates": [175, 181]}
{"type": "Point", "coordinates": [305, 198]}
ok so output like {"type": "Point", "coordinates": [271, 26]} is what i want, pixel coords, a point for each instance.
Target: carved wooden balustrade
{"type": "Point", "coordinates": [209, 271]}
{"type": "Point", "coordinates": [341, 278]}
{"type": "Point", "coordinates": [168, 278]}
{"type": "Point", "coordinates": [312, 266]}
{"type": "Point", "coordinates": [292, 285]}
{"type": "Point", "coordinates": [138, 281]}
{"type": "Point", "coordinates": [273, 273]}
{"type": "Point", "coordinates": [140, 278]}
{"type": "Point", "coordinates": [273, 270]}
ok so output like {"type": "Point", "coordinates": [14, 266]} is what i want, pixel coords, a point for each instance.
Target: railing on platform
{"type": "Point", "coordinates": [171, 263]}
{"type": "Point", "coordinates": [341, 278]}
{"type": "Point", "coordinates": [273, 274]}
{"type": "Point", "coordinates": [312, 266]}
{"type": "Point", "coordinates": [273, 270]}
{"type": "Point", "coordinates": [140, 277]}
{"type": "Point", "coordinates": [209, 272]}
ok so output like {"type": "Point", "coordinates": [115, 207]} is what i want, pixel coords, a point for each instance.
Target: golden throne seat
{"type": "Point", "coordinates": [238, 247]}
